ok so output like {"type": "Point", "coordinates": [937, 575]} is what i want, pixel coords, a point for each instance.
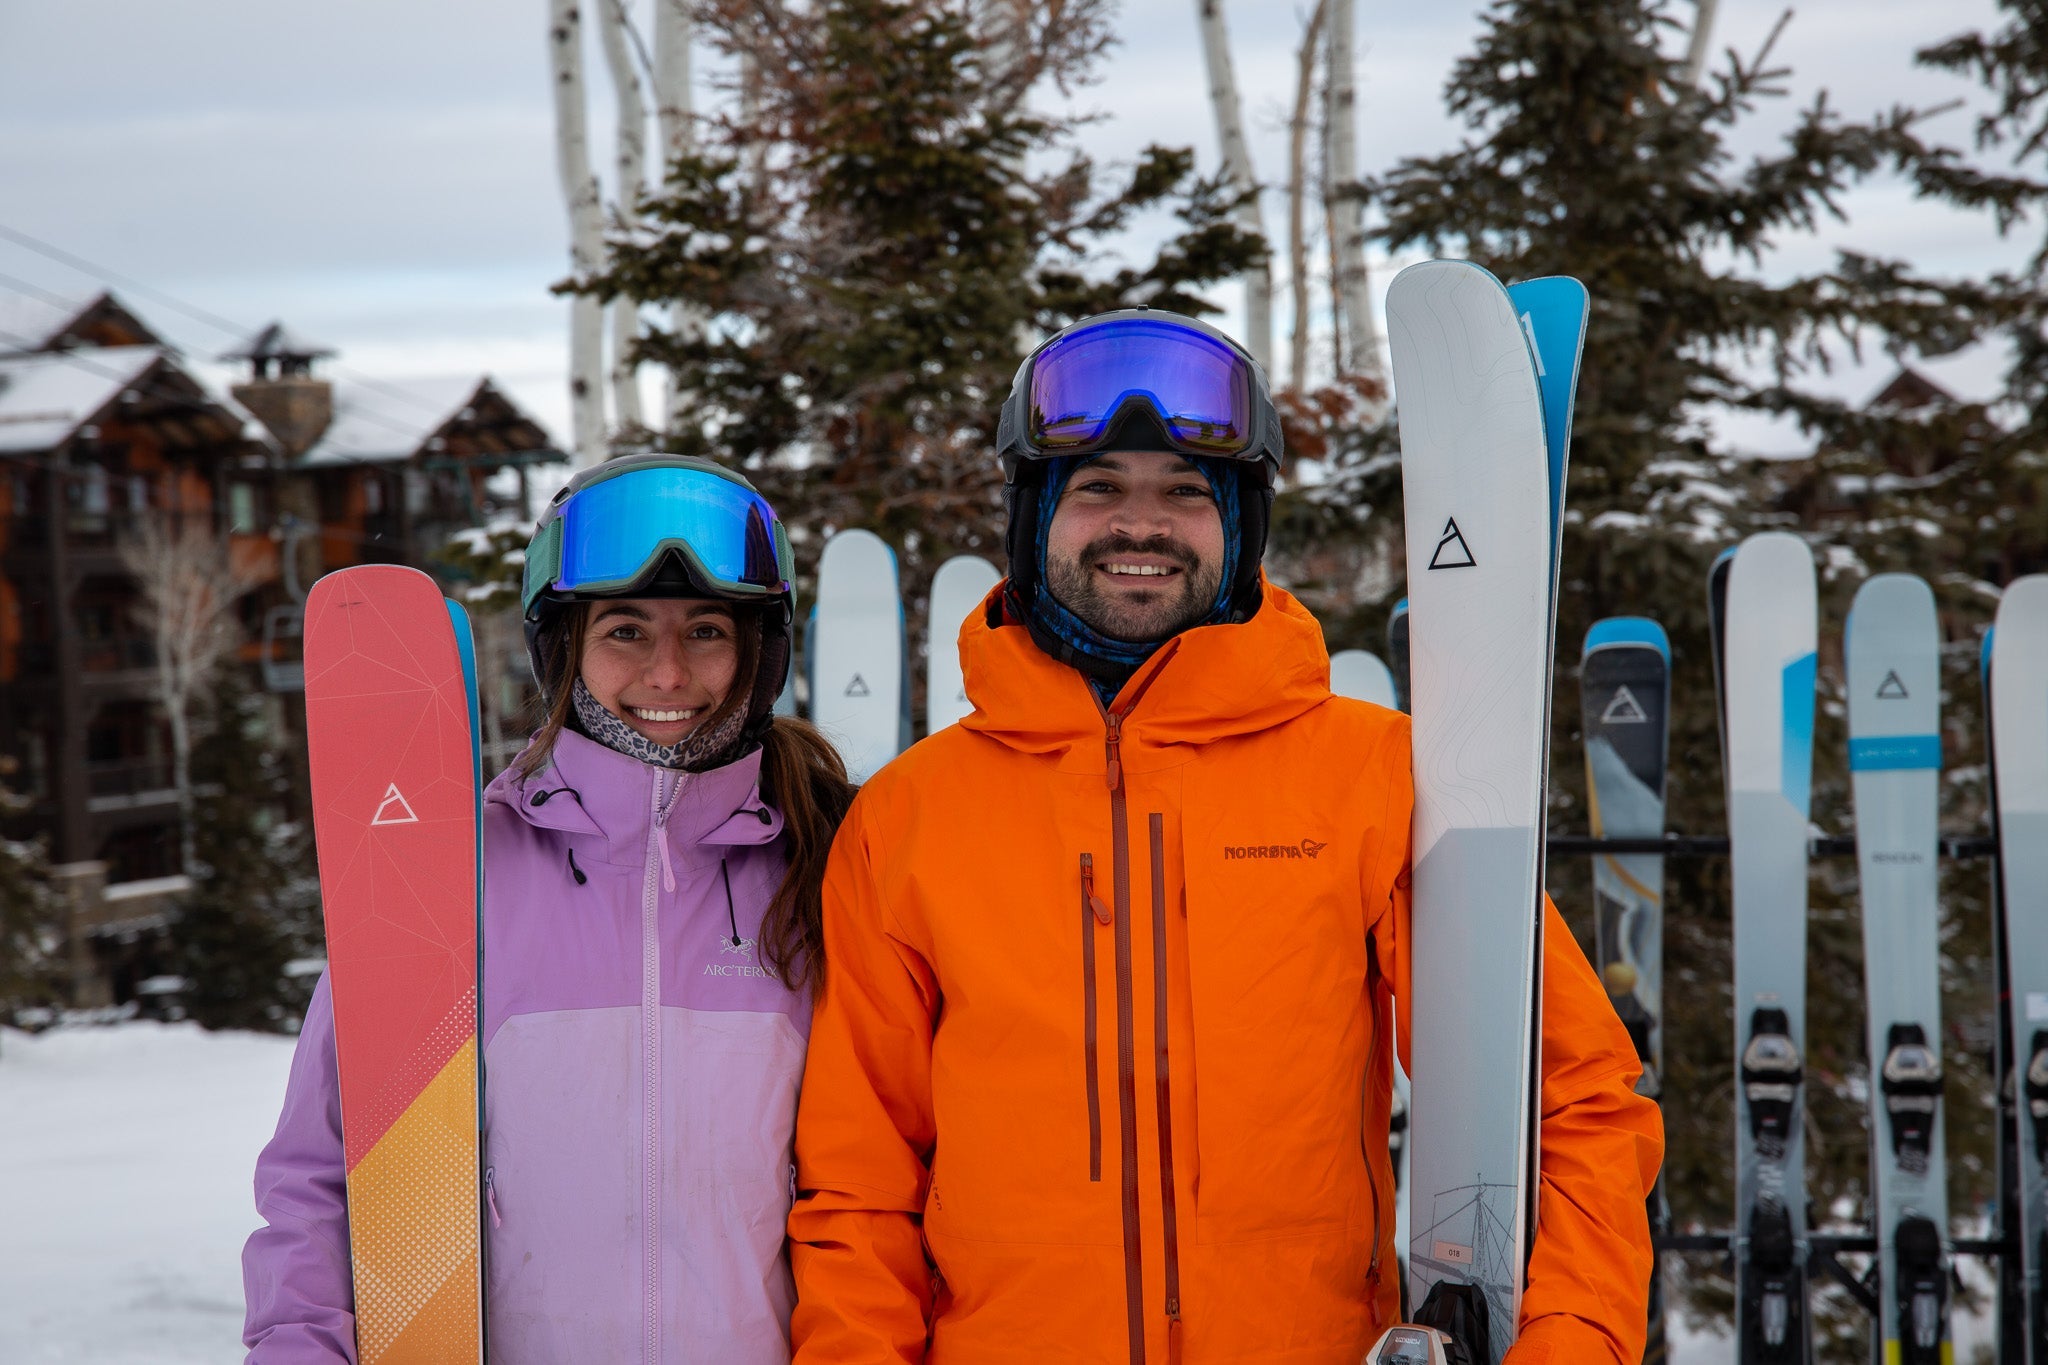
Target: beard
{"type": "Point", "coordinates": [1136, 615]}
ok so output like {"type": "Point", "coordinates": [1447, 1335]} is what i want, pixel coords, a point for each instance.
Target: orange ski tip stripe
{"type": "Point", "coordinates": [410, 1082]}
{"type": "Point", "coordinates": [414, 1225]}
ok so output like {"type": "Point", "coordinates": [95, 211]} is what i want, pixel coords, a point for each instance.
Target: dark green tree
{"type": "Point", "coordinates": [255, 900]}
{"type": "Point", "coordinates": [857, 264]}
{"type": "Point", "coordinates": [31, 934]}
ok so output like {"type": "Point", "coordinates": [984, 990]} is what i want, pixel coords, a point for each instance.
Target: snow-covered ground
{"type": "Point", "coordinates": [126, 1156]}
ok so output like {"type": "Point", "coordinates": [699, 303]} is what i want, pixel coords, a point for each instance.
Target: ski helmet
{"type": "Point", "coordinates": [661, 525]}
{"type": "Point", "coordinates": [1140, 379]}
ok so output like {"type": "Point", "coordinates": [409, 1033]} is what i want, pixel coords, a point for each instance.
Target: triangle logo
{"type": "Point", "coordinates": [394, 809]}
{"type": "Point", "coordinates": [1893, 688]}
{"type": "Point", "coordinates": [1451, 550]}
{"type": "Point", "coordinates": [1624, 709]}
{"type": "Point", "coordinates": [858, 687]}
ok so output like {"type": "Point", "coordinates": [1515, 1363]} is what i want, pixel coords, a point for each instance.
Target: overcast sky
{"type": "Point", "coordinates": [379, 174]}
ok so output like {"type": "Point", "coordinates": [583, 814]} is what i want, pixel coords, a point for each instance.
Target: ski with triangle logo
{"type": "Point", "coordinates": [1484, 378]}
{"type": "Point", "coordinates": [1893, 650]}
{"type": "Point", "coordinates": [858, 694]}
{"type": "Point", "coordinates": [1764, 610]}
{"type": "Point", "coordinates": [1625, 707]}
{"type": "Point", "coordinates": [391, 738]}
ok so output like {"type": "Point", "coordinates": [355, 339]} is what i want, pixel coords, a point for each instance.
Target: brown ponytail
{"type": "Point", "coordinates": [802, 776]}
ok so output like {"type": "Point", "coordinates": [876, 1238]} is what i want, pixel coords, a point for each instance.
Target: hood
{"type": "Point", "coordinates": [589, 789]}
{"type": "Point", "coordinates": [1206, 684]}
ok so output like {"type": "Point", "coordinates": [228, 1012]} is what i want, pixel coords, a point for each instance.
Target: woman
{"type": "Point", "coordinates": [651, 877]}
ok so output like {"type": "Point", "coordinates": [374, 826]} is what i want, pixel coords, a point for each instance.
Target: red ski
{"type": "Point", "coordinates": [394, 774]}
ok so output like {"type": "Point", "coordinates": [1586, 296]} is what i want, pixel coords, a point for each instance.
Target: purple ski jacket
{"type": "Point", "coordinates": [641, 1073]}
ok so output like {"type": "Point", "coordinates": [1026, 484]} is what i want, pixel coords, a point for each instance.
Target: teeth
{"type": "Point", "coordinates": [1142, 570]}
{"type": "Point", "coordinates": [660, 717]}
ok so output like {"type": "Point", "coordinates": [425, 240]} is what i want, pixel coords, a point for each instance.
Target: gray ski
{"type": "Point", "coordinates": [1625, 709]}
{"type": "Point", "coordinates": [1766, 626]}
{"type": "Point", "coordinates": [1893, 647]}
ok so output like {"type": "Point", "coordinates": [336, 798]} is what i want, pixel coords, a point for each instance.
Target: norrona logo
{"type": "Point", "coordinates": [1307, 848]}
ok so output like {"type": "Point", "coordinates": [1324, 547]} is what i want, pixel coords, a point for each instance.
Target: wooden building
{"type": "Point", "coordinates": [103, 427]}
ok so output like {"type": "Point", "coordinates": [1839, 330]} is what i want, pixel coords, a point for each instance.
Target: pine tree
{"type": "Point", "coordinates": [864, 257]}
{"type": "Point", "coordinates": [255, 901]}
{"type": "Point", "coordinates": [1588, 155]}
{"type": "Point", "coordinates": [31, 936]}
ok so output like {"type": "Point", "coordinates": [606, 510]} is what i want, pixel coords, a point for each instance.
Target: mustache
{"type": "Point", "coordinates": [1164, 546]}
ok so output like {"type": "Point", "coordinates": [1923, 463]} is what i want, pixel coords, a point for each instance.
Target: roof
{"type": "Point", "coordinates": [395, 420]}
{"type": "Point", "coordinates": [45, 398]}
{"type": "Point", "coordinates": [42, 321]}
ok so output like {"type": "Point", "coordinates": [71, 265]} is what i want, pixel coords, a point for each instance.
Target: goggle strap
{"type": "Point", "coordinates": [543, 562]}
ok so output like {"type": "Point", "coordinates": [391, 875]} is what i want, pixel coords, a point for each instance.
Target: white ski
{"type": "Point", "coordinates": [1893, 646]}
{"type": "Point", "coordinates": [1766, 647]}
{"type": "Point", "coordinates": [856, 664]}
{"type": "Point", "coordinates": [957, 589]}
{"type": "Point", "coordinates": [1480, 536]}
{"type": "Point", "coordinates": [1357, 674]}
{"type": "Point", "coordinates": [2019, 731]}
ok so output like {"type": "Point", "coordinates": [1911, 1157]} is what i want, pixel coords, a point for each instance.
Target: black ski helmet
{"type": "Point", "coordinates": [640, 545]}
{"type": "Point", "coordinates": [1136, 423]}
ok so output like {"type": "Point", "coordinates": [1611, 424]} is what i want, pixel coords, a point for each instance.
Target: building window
{"type": "Point", "coordinates": [373, 495]}
{"type": "Point", "coordinates": [241, 508]}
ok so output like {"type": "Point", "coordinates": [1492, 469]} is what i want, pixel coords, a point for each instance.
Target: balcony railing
{"type": "Point", "coordinates": [130, 781]}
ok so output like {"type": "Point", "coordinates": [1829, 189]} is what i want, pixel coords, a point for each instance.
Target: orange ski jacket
{"type": "Point", "coordinates": [1101, 1068]}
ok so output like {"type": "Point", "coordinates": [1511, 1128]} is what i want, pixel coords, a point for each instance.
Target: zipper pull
{"type": "Point", "coordinates": [491, 1196]}
{"type": "Point", "coordinates": [1102, 915]}
{"type": "Point", "coordinates": [1114, 774]}
{"type": "Point", "coordinates": [668, 871]}
{"type": "Point", "coordinates": [1173, 1341]}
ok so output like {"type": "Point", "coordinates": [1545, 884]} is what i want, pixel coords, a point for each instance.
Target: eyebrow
{"type": "Point", "coordinates": [620, 610]}
{"type": "Point", "coordinates": [1116, 466]}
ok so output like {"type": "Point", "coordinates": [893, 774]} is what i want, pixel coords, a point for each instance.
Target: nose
{"type": "Point", "coordinates": [1143, 516]}
{"type": "Point", "coordinates": [668, 668]}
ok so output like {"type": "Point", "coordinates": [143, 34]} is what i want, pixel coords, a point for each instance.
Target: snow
{"type": "Point", "coordinates": [28, 321]}
{"type": "Point", "coordinates": [126, 1162]}
{"type": "Point", "coordinates": [45, 398]}
{"type": "Point", "coordinates": [127, 1155]}
{"type": "Point", "coordinates": [390, 420]}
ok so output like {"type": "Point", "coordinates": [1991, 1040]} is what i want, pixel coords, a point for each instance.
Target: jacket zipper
{"type": "Point", "coordinates": [1372, 1184]}
{"type": "Point", "coordinates": [1093, 912]}
{"type": "Point", "coordinates": [1169, 1219]}
{"type": "Point", "coordinates": [659, 877]}
{"type": "Point", "coordinates": [1126, 1041]}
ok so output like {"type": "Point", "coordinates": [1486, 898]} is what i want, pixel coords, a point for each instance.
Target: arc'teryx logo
{"type": "Point", "coordinates": [741, 948]}
{"type": "Point", "coordinates": [1307, 848]}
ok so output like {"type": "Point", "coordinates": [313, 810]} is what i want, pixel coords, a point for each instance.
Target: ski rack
{"type": "Point", "coordinates": [1822, 1247]}
{"type": "Point", "coordinates": [1716, 846]}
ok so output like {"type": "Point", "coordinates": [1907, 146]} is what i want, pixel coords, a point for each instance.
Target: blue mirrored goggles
{"type": "Point", "coordinates": [610, 536]}
{"type": "Point", "coordinates": [1198, 387]}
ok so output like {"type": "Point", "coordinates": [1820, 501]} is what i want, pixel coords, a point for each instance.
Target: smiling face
{"type": "Point", "coordinates": [660, 664]}
{"type": "Point", "coordinates": [1136, 545]}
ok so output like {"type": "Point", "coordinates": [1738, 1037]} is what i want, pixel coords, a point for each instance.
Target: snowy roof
{"type": "Point", "coordinates": [389, 421]}
{"type": "Point", "coordinates": [45, 398]}
{"type": "Point", "coordinates": [28, 322]}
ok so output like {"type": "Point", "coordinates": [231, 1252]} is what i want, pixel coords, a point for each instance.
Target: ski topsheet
{"type": "Point", "coordinates": [1477, 476]}
{"type": "Point", "coordinates": [856, 663]}
{"type": "Point", "coordinates": [957, 589]}
{"type": "Point", "coordinates": [1625, 710]}
{"type": "Point", "coordinates": [1767, 660]}
{"type": "Point", "coordinates": [2019, 732]}
{"type": "Point", "coordinates": [393, 754]}
{"type": "Point", "coordinates": [1893, 648]}
{"type": "Point", "coordinates": [1355, 673]}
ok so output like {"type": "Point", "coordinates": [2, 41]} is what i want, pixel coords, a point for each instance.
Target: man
{"type": "Point", "coordinates": [1102, 1065]}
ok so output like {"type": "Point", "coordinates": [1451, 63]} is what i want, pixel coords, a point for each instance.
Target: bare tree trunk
{"type": "Point", "coordinates": [1237, 165]}
{"type": "Point", "coordinates": [188, 589]}
{"type": "Point", "coordinates": [1702, 34]}
{"type": "Point", "coordinates": [1297, 194]}
{"type": "Point", "coordinates": [1354, 285]}
{"type": "Point", "coordinates": [586, 232]}
{"type": "Point", "coordinates": [631, 164]}
{"type": "Point", "coordinates": [674, 119]}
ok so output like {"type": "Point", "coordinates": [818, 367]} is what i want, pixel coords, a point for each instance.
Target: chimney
{"type": "Point", "coordinates": [281, 389]}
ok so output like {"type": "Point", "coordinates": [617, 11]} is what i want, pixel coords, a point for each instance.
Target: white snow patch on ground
{"type": "Point", "coordinates": [126, 1161]}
